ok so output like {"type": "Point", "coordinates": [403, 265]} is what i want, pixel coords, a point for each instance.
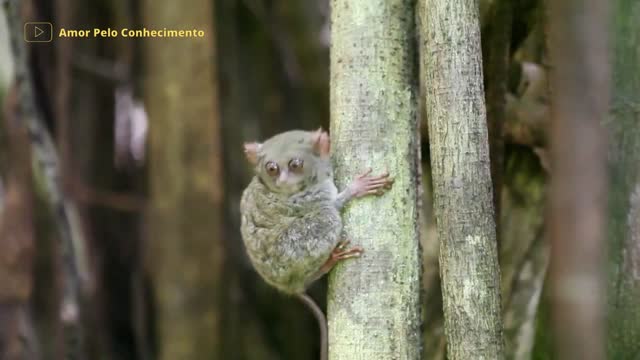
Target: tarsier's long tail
{"type": "Point", "coordinates": [322, 322]}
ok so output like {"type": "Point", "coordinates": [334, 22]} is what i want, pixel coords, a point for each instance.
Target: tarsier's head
{"type": "Point", "coordinates": [291, 161]}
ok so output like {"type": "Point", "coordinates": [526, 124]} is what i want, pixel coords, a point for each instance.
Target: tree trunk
{"type": "Point", "coordinates": [451, 57]}
{"type": "Point", "coordinates": [373, 301]}
{"type": "Point", "coordinates": [624, 176]}
{"type": "Point", "coordinates": [579, 101]}
{"type": "Point", "coordinates": [184, 252]}
{"type": "Point", "coordinates": [17, 340]}
{"type": "Point", "coordinates": [47, 177]}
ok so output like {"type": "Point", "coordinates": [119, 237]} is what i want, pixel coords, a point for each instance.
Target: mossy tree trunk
{"type": "Point", "coordinates": [624, 187]}
{"type": "Point", "coordinates": [184, 252]}
{"type": "Point", "coordinates": [373, 301]}
{"type": "Point", "coordinates": [463, 201]}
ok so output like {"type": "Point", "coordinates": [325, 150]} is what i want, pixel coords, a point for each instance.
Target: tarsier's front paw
{"type": "Point", "coordinates": [371, 185]}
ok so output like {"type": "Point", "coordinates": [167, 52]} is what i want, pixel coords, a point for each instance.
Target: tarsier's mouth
{"type": "Point", "coordinates": [284, 189]}
{"type": "Point", "coordinates": [290, 189]}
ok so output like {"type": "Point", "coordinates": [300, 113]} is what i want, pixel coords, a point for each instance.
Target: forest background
{"type": "Point", "coordinates": [122, 173]}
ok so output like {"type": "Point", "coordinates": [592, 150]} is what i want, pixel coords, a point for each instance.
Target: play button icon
{"type": "Point", "coordinates": [38, 32]}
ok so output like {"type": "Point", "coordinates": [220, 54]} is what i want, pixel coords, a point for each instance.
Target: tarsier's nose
{"type": "Point", "coordinates": [282, 178]}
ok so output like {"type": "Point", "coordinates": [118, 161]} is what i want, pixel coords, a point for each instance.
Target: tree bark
{"type": "Point", "coordinates": [579, 81]}
{"type": "Point", "coordinates": [624, 176]}
{"type": "Point", "coordinates": [184, 247]}
{"type": "Point", "coordinates": [373, 301]}
{"type": "Point", "coordinates": [451, 57]}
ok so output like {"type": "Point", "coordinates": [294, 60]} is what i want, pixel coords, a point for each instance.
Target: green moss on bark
{"type": "Point", "coordinates": [624, 185]}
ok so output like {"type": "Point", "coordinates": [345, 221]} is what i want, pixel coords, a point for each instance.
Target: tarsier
{"type": "Point", "coordinates": [291, 223]}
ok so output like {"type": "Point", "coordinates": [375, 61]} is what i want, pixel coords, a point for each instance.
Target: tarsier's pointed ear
{"type": "Point", "coordinates": [251, 152]}
{"type": "Point", "coordinates": [321, 144]}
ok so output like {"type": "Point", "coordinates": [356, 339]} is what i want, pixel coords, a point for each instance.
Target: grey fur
{"type": "Point", "coordinates": [289, 238]}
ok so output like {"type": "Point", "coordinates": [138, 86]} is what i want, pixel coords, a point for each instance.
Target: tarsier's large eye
{"type": "Point", "coordinates": [272, 168]}
{"type": "Point", "coordinates": [295, 164]}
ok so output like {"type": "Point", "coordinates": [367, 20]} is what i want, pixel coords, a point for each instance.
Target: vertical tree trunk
{"type": "Point", "coordinates": [47, 177]}
{"type": "Point", "coordinates": [580, 96]}
{"type": "Point", "coordinates": [373, 301]}
{"type": "Point", "coordinates": [184, 252]}
{"type": "Point", "coordinates": [44, 280]}
{"type": "Point", "coordinates": [624, 175]}
{"type": "Point", "coordinates": [451, 57]}
{"type": "Point", "coordinates": [16, 235]}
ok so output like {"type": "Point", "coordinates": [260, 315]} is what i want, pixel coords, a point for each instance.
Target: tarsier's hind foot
{"type": "Point", "coordinates": [365, 184]}
{"type": "Point", "coordinates": [341, 253]}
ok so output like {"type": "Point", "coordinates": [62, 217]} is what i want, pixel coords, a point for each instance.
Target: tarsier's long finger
{"type": "Point", "coordinates": [379, 177]}
{"type": "Point", "coordinates": [378, 190]}
{"type": "Point", "coordinates": [365, 174]}
{"type": "Point", "coordinates": [379, 185]}
{"type": "Point", "coordinates": [379, 182]}
{"type": "Point", "coordinates": [351, 253]}
{"type": "Point", "coordinates": [375, 191]}
{"type": "Point", "coordinates": [348, 256]}
{"type": "Point", "coordinates": [357, 249]}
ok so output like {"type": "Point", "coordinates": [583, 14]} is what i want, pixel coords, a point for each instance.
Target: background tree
{"type": "Point", "coordinates": [184, 251]}
{"type": "Point", "coordinates": [373, 306]}
{"type": "Point", "coordinates": [624, 184]}
{"type": "Point", "coordinates": [580, 98]}
{"type": "Point", "coordinates": [16, 232]}
{"type": "Point", "coordinates": [463, 202]}
{"type": "Point", "coordinates": [523, 250]}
